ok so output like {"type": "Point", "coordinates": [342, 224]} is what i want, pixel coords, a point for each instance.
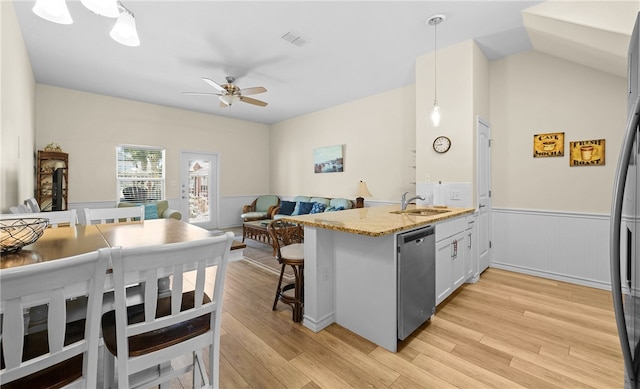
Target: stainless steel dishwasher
{"type": "Point", "coordinates": [416, 279]}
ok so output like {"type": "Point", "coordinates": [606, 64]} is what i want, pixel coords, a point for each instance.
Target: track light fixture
{"type": "Point", "coordinates": [123, 32]}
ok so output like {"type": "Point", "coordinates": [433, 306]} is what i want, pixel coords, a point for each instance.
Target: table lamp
{"type": "Point", "coordinates": [363, 192]}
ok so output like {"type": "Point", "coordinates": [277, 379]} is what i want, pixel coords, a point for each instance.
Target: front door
{"type": "Point", "coordinates": [484, 194]}
{"type": "Point", "coordinates": [199, 189]}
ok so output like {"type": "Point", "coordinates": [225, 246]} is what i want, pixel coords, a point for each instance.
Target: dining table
{"type": "Point", "coordinates": [67, 241]}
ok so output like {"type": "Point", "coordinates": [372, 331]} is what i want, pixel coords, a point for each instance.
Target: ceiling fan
{"type": "Point", "coordinates": [231, 93]}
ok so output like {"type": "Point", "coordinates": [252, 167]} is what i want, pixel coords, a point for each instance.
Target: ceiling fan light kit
{"type": "Point", "coordinates": [436, 115]}
{"type": "Point", "coordinates": [230, 93]}
{"type": "Point", "coordinates": [123, 32]}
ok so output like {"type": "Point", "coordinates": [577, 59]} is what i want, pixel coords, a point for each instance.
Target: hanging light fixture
{"type": "Point", "coordinates": [435, 111]}
{"type": "Point", "coordinates": [53, 10]}
{"type": "Point", "coordinates": [124, 31]}
{"type": "Point", "coordinates": [108, 8]}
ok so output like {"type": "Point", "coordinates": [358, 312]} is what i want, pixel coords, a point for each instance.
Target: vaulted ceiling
{"type": "Point", "coordinates": [353, 49]}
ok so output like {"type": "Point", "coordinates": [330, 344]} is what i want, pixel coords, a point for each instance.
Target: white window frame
{"type": "Point", "coordinates": [151, 181]}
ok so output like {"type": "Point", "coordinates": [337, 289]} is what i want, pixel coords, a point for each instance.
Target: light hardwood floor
{"type": "Point", "coordinates": [507, 331]}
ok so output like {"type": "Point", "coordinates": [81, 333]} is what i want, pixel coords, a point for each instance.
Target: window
{"type": "Point", "coordinates": [140, 173]}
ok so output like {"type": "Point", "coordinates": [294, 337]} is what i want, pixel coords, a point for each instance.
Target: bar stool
{"type": "Point", "coordinates": [288, 240]}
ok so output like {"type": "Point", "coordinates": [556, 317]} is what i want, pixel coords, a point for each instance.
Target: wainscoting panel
{"type": "Point", "coordinates": [569, 247]}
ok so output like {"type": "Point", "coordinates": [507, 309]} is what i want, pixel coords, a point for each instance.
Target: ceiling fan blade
{"type": "Point", "coordinates": [253, 91]}
{"type": "Point", "coordinates": [214, 84]}
{"type": "Point", "coordinates": [200, 94]}
{"type": "Point", "coordinates": [253, 101]}
{"type": "Point", "coordinates": [223, 104]}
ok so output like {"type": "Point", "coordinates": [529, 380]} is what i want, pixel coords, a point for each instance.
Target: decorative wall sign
{"type": "Point", "coordinates": [548, 145]}
{"type": "Point", "coordinates": [587, 153]}
{"type": "Point", "coordinates": [328, 159]}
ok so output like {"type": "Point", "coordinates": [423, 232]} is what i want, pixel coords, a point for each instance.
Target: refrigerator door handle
{"type": "Point", "coordinates": [614, 238]}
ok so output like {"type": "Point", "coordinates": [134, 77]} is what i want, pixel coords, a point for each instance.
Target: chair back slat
{"type": "Point", "coordinates": [56, 218]}
{"type": "Point", "coordinates": [149, 264]}
{"type": "Point", "coordinates": [113, 215]}
{"type": "Point", "coordinates": [51, 284]}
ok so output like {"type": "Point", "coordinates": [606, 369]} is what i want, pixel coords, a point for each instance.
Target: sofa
{"type": "Point", "coordinates": [302, 205]}
{"type": "Point", "coordinates": [155, 209]}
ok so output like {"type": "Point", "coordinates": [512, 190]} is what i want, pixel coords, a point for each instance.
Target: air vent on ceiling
{"type": "Point", "coordinates": [295, 38]}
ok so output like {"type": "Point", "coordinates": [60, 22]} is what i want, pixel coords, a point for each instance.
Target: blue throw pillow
{"type": "Point", "coordinates": [286, 207]}
{"type": "Point", "coordinates": [304, 208]}
{"type": "Point", "coordinates": [150, 211]}
{"type": "Point", "coordinates": [317, 208]}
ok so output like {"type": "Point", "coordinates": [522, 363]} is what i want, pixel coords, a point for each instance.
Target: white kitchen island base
{"type": "Point", "coordinates": [351, 280]}
{"type": "Point", "coordinates": [350, 266]}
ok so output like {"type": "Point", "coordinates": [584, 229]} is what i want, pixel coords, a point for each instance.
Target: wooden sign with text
{"type": "Point", "coordinates": [587, 153]}
{"type": "Point", "coordinates": [548, 145]}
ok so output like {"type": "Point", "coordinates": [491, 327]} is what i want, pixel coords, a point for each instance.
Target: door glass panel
{"type": "Point", "coordinates": [199, 173]}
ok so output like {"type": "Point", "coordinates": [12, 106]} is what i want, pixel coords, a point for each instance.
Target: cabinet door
{"type": "Point", "coordinates": [443, 269]}
{"type": "Point", "coordinates": [458, 261]}
{"type": "Point", "coordinates": [471, 253]}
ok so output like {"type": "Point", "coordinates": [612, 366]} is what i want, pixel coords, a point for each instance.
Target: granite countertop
{"type": "Point", "coordinates": [378, 221]}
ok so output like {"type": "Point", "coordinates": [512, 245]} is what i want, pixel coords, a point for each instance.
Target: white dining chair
{"type": "Point", "coordinates": [139, 337]}
{"type": "Point", "coordinates": [65, 354]}
{"type": "Point", "coordinates": [113, 215]}
{"type": "Point", "coordinates": [56, 218]}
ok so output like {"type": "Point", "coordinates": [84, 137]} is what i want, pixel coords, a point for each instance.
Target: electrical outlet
{"type": "Point", "coordinates": [455, 195]}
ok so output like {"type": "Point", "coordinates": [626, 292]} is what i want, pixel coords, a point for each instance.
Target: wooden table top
{"type": "Point", "coordinates": [67, 241]}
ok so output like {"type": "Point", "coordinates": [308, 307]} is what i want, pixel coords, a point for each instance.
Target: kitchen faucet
{"type": "Point", "coordinates": [405, 202]}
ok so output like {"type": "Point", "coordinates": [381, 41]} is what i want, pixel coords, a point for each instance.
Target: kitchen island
{"type": "Point", "coordinates": [351, 266]}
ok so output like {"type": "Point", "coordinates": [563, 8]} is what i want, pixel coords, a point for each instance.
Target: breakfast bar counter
{"type": "Point", "coordinates": [351, 266]}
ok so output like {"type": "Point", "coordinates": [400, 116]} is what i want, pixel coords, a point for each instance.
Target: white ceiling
{"type": "Point", "coordinates": [355, 49]}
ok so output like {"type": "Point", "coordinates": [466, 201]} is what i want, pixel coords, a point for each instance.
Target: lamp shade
{"type": "Point", "coordinates": [124, 31]}
{"type": "Point", "coordinates": [108, 8]}
{"type": "Point", "coordinates": [55, 11]}
{"type": "Point", "coordinates": [363, 191]}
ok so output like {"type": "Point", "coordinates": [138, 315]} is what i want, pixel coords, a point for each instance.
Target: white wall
{"type": "Point", "coordinates": [533, 93]}
{"type": "Point", "coordinates": [378, 133]}
{"type": "Point", "coordinates": [89, 126]}
{"type": "Point", "coordinates": [463, 94]}
{"type": "Point", "coordinates": [17, 113]}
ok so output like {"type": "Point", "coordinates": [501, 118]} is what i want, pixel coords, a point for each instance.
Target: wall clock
{"type": "Point", "coordinates": [442, 144]}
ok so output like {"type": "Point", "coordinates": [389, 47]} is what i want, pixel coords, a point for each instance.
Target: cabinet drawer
{"type": "Point", "coordinates": [450, 228]}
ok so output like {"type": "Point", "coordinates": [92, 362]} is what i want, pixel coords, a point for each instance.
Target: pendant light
{"type": "Point", "coordinates": [435, 111]}
{"type": "Point", "coordinates": [53, 10]}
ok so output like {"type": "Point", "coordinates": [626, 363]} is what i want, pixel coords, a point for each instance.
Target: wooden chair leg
{"type": "Point", "coordinates": [278, 290]}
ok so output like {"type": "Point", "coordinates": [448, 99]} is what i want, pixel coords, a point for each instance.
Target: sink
{"type": "Point", "coordinates": [422, 211]}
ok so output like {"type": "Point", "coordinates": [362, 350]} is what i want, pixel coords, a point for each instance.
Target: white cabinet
{"type": "Point", "coordinates": [471, 245]}
{"type": "Point", "coordinates": [452, 266]}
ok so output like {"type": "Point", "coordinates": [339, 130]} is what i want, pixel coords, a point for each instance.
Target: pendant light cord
{"type": "Point", "coordinates": [435, 62]}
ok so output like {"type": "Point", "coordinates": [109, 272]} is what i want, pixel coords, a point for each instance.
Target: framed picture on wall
{"type": "Point", "coordinates": [548, 145]}
{"type": "Point", "coordinates": [328, 159]}
{"type": "Point", "coordinates": [587, 153]}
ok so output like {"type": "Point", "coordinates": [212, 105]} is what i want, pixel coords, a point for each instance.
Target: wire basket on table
{"type": "Point", "coordinates": [17, 233]}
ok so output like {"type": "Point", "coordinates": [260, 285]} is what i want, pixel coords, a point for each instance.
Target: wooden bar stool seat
{"type": "Point", "coordinates": [288, 241]}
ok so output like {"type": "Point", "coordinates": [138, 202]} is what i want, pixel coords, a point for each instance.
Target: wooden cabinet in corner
{"type": "Point", "coordinates": [52, 180]}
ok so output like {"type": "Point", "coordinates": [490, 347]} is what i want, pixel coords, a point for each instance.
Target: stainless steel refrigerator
{"type": "Point", "coordinates": [625, 227]}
